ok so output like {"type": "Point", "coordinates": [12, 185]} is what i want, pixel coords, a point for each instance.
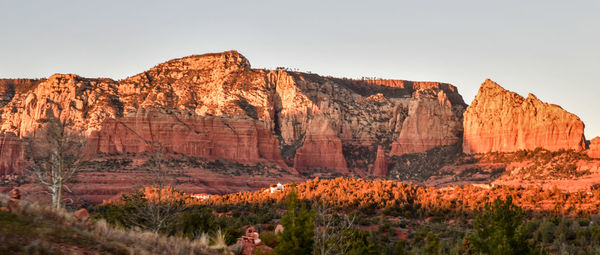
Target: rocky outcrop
{"type": "Point", "coordinates": [381, 163]}
{"type": "Point", "coordinates": [11, 154]}
{"type": "Point", "coordinates": [502, 121]}
{"type": "Point", "coordinates": [430, 123]}
{"type": "Point", "coordinates": [85, 102]}
{"type": "Point", "coordinates": [217, 106]}
{"type": "Point", "coordinates": [451, 91]}
{"type": "Point", "coordinates": [10, 87]}
{"type": "Point", "coordinates": [594, 150]}
{"type": "Point", "coordinates": [238, 139]}
{"type": "Point", "coordinates": [321, 149]}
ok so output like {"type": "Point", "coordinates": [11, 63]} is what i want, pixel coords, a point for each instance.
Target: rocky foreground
{"type": "Point", "coordinates": [268, 126]}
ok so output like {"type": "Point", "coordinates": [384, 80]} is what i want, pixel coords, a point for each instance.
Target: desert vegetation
{"type": "Point", "coordinates": [43, 229]}
{"type": "Point", "coordinates": [355, 216]}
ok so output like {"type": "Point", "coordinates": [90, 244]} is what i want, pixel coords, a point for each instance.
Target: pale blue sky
{"type": "Point", "coordinates": [549, 48]}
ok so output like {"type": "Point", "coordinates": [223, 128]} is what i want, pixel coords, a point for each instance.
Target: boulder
{"type": "Point", "coordinates": [15, 194]}
{"type": "Point", "coordinates": [502, 121]}
{"type": "Point", "coordinates": [279, 229]}
{"type": "Point", "coordinates": [82, 215]}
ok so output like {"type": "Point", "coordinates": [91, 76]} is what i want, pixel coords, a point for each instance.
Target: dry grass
{"type": "Point", "coordinates": [99, 236]}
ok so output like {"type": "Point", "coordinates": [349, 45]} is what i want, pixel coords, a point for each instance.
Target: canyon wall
{"type": "Point", "coordinates": [11, 154]}
{"type": "Point", "coordinates": [217, 106]}
{"type": "Point", "coordinates": [430, 123]}
{"type": "Point", "coordinates": [238, 139]}
{"type": "Point", "coordinates": [322, 149]}
{"type": "Point", "coordinates": [502, 121]}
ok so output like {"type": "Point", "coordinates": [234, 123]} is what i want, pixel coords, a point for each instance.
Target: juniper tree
{"type": "Point", "coordinates": [298, 224]}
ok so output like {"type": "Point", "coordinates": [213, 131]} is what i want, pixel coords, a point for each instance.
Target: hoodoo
{"type": "Point", "coordinates": [381, 163]}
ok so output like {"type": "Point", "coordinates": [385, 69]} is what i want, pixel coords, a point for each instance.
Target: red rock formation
{"type": "Point", "coordinates": [594, 151]}
{"type": "Point", "coordinates": [86, 102]}
{"type": "Point", "coordinates": [431, 122]}
{"type": "Point", "coordinates": [11, 154]}
{"type": "Point", "coordinates": [502, 121]}
{"type": "Point", "coordinates": [238, 139]}
{"type": "Point", "coordinates": [381, 163]}
{"type": "Point", "coordinates": [321, 148]}
{"type": "Point", "coordinates": [82, 215]}
{"type": "Point", "coordinates": [209, 92]}
{"type": "Point", "coordinates": [448, 89]}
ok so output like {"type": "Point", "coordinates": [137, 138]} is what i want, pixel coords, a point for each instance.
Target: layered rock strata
{"type": "Point", "coordinates": [502, 121]}
{"type": "Point", "coordinates": [237, 139]}
{"type": "Point", "coordinates": [430, 123]}
{"type": "Point", "coordinates": [217, 106]}
{"type": "Point", "coordinates": [12, 154]}
{"type": "Point", "coordinates": [322, 149]}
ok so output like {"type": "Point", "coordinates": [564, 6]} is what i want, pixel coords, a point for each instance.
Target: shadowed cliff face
{"type": "Point", "coordinates": [217, 106]}
{"type": "Point", "coordinates": [502, 121]}
{"type": "Point", "coordinates": [594, 151]}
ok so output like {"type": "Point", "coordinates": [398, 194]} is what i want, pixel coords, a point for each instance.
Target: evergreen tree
{"type": "Point", "coordinates": [298, 224]}
{"type": "Point", "coordinates": [499, 229]}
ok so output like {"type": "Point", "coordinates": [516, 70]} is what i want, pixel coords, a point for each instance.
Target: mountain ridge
{"type": "Point", "coordinates": [216, 108]}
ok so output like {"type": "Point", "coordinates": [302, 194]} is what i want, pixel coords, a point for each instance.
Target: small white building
{"type": "Point", "coordinates": [201, 196]}
{"type": "Point", "coordinates": [275, 188]}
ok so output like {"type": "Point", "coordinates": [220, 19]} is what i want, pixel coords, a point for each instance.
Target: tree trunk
{"type": "Point", "coordinates": [54, 195]}
{"type": "Point", "coordinates": [59, 194]}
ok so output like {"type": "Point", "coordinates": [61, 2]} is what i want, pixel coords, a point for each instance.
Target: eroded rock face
{"type": "Point", "coordinates": [381, 163]}
{"type": "Point", "coordinates": [502, 121]}
{"type": "Point", "coordinates": [430, 123]}
{"type": "Point", "coordinates": [594, 151]}
{"type": "Point", "coordinates": [86, 102]}
{"type": "Point", "coordinates": [11, 153]}
{"type": "Point", "coordinates": [11, 87]}
{"type": "Point", "coordinates": [237, 139]}
{"type": "Point", "coordinates": [322, 148]}
{"type": "Point", "coordinates": [217, 106]}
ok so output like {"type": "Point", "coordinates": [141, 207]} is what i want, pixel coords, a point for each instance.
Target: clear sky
{"type": "Point", "coordinates": [549, 48]}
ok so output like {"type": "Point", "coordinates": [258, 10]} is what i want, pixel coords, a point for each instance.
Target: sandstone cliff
{"type": "Point", "coordinates": [430, 123]}
{"type": "Point", "coordinates": [237, 139]}
{"type": "Point", "coordinates": [381, 163]}
{"type": "Point", "coordinates": [594, 151]}
{"type": "Point", "coordinates": [217, 106]}
{"type": "Point", "coordinates": [502, 121]}
{"type": "Point", "coordinates": [322, 148]}
{"type": "Point", "coordinates": [11, 154]}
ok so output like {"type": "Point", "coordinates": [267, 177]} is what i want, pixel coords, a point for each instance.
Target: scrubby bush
{"type": "Point", "coordinates": [499, 229]}
{"type": "Point", "coordinates": [298, 233]}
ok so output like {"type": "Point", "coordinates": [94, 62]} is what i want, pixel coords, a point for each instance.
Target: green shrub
{"type": "Point", "coordinates": [298, 224]}
{"type": "Point", "coordinates": [269, 238]}
{"type": "Point", "coordinates": [499, 229]}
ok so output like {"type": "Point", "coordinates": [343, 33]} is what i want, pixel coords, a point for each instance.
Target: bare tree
{"type": "Point", "coordinates": [160, 204]}
{"type": "Point", "coordinates": [330, 229]}
{"type": "Point", "coordinates": [56, 153]}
